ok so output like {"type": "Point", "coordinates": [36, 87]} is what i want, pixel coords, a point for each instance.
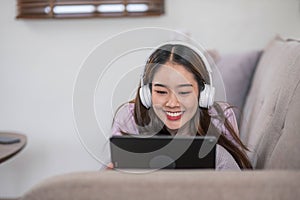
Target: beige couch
{"type": "Point", "coordinates": [270, 126]}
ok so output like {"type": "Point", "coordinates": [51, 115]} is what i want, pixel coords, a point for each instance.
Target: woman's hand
{"type": "Point", "coordinates": [110, 166]}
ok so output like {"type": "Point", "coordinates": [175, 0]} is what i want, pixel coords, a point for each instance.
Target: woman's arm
{"type": "Point", "coordinates": [224, 160]}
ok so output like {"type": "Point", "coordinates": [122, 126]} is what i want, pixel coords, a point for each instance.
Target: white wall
{"type": "Point", "coordinates": [39, 61]}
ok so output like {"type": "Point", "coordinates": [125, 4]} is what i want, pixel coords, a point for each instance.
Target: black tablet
{"type": "Point", "coordinates": [163, 152]}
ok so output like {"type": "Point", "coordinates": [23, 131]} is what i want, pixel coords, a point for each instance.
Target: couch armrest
{"type": "Point", "coordinates": [165, 184]}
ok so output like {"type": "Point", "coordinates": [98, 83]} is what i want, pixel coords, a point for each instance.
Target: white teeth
{"type": "Point", "coordinates": [174, 114]}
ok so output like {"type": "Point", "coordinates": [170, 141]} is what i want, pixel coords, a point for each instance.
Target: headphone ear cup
{"type": "Point", "coordinates": [145, 96]}
{"type": "Point", "coordinates": [207, 96]}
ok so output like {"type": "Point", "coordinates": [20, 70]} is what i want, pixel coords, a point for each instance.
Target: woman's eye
{"type": "Point", "coordinates": [160, 92]}
{"type": "Point", "coordinates": [184, 93]}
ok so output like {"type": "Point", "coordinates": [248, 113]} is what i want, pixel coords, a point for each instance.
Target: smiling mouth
{"type": "Point", "coordinates": [174, 115]}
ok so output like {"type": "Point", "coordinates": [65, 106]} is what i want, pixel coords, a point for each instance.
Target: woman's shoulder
{"type": "Point", "coordinates": [226, 108]}
{"type": "Point", "coordinates": [222, 111]}
{"type": "Point", "coordinates": [125, 109]}
{"type": "Point", "coordinates": [129, 105]}
{"type": "Point", "coordinates": [124, 120]}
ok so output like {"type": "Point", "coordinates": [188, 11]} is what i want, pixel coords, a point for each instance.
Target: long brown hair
{"type": "Point", "coordinates": [147, 121]}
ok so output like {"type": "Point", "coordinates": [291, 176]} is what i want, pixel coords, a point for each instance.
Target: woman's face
{"type": "Point", "coordinates": [174, 95]}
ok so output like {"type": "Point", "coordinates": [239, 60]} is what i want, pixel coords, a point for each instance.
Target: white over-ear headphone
{"type": "Point", "coordinates": [206, 95]}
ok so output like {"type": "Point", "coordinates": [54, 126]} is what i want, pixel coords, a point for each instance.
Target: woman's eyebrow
{"type": "Point", "coordinates": [159, 85]}
{"type": "Point", "coordinates": [178, 86]}
{"type": "Point", "coordinates": [185, 85]}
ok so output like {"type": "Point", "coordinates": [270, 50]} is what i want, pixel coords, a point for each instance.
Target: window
{"type": "Point", "coordinates": [88, 8]}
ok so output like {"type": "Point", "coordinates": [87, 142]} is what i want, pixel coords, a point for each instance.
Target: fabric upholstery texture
{"type": "Point", "coordinates": [286, 152]}
{"type": "Point", "coordinates": [169, 184]}
{"type": "Point", "coordinates": [237, 70]}
{"type": "Point", "coordinates": [270, 106]}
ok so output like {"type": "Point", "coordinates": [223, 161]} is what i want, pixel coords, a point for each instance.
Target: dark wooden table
{"type": "Point", "coordinates": [9, 150]}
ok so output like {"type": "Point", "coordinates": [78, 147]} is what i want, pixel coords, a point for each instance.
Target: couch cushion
{"type": "Point", "coordinates": [237, 70]}
{"type": "Point", "coordinates": [169, 184]}
{"type": "Point", "coordinates": [270, 125]}
{"type": "Point", "coordinates": [286, 151]}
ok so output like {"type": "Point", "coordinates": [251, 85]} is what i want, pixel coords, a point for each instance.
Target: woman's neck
{"type": "Point", "coordinates": [184, 131]}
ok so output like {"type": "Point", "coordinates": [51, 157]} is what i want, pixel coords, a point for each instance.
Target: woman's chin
{"type": "Point", "coordinates": [178, 128]}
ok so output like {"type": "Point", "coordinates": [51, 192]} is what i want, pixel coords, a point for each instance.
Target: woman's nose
{"type": "Point", "coordinates": [172, 100]}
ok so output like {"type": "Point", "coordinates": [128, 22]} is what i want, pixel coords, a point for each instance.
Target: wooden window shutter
{"type": "Point", "coordinates": [37, 9]}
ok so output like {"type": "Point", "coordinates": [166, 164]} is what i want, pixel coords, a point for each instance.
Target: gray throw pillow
{"type": "Point", "coordinates": [237, 70]}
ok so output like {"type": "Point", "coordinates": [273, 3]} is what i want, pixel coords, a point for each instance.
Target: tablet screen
{"type": "Point", "coordinates": [163, 152]}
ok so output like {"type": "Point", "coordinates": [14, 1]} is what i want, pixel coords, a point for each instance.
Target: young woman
{"type": "Point", "coordinates": [175, 97]}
